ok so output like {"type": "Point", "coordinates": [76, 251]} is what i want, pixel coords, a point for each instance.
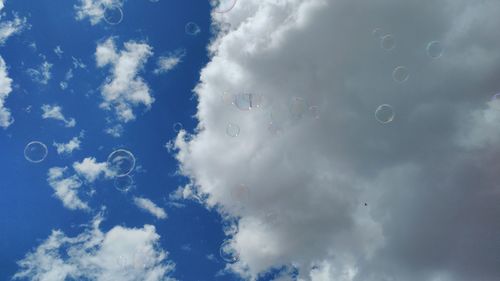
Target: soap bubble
{"type": "Point", "coordinates": [232, 130]}
{"type": "Point", "coordinates": [228, 253]}
{"type": "Point", "coordinates": [123, 183]}
{"type": "Point", "coordinates": [113, 14]}
{"type": "Point", "coordinates": [35, 152]}
{"type": "Point", "coordinates": [121, 162]}
{"type": "Point", "coordinates": [434, 49]}
{"type": "Point", "coordinates": [315, 111]}
{"type": "Point", "coordinates": [400, 74]}
{"type": "Point", "coordinates": [192, 29]}
{"type": "Point", "coordinates": [384, 114]}
{"type": "Point", "coordinates": [177, 127]}
{"type": "Point", "coordinates": [223, 6]}
{"type": "Point", "coordinates": [378, 32]}
{"type": "Point", "coordinates": [247, 101]}
{"type": "Point", "coordinates": [387, 42]}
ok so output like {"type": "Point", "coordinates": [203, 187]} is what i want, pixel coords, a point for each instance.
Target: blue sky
{"type": "Point", "coordinates": [29, 211]}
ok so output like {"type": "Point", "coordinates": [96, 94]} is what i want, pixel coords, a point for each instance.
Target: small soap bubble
{"type": "Point", "coordinates": [387, 42]}
{"type": "Point", "coordinates": [298, 107]}
{"type": "Point", "coordinates": [177, 127]}
{"type": "Point", "coordinates": [400, 74]}
{"type": "Point", "coordinates": [314, 112]}
{"type": "Point", "coordinates": [434, 49]}
{"type": "Point", "coordinates": [232, 130]}
{"type": "Point", "coordinates": [35, 152]}
{"type": "Point", "coordinates": [121, 162]}
{"type": "Point", "coordinates": [123, 183]}
{"type": "Point", "coordinates": [113, 14]}
{"type": "Point", "coordinates": [192, 29]}
{"type": "Point", "coordinates": [384, 114]}
{"type": "Point", "coordinates": [378, 32]}
{"type": "Point", "coordinates": [228, 253]}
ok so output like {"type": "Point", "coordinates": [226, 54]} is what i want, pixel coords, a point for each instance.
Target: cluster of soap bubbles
{"type": "Point", "coordinates": [385, 113]}
{"type": "Point", "coordinates": [121, 162]}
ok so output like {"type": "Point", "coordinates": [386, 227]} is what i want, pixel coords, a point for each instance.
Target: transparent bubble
{"type": "Point", "coordinates": [298, 107]}
{"type": "Point", "coordinates": [121, 162]}
{"type": "Point", "coordinates": [387, 42]}
{"type": "Point", "coordinates": [384, 114]}
{"type": "Point", "coordinates": [35, 152]}
{"type": "Point", "coordinates": [378, 32]}
{"type": "Point", "coordinates": [113, 14]}
{"type": "Point", "coordinates": [434, 49]}
{"type": "Point", "coordinates": [232, 130]}
{"type": "Point", "coordinates": [192, 29]}
{"type": "Point", "coordinates": [228, 253]}
{"type": "Point", "coordinates": [177, 127]}
{"type": "Point", "coordinates": [314, 112]}
{"type": "Point", "coordinates": [123, 183]}
{"type": "Point", "coordinates": [400, 74]}
{"type": "Point", "coordinates": [227, 98]}
{"type": "Point", "coordinates": [247, 101]}
{"type": "Point", "coordinates": [223, 6]}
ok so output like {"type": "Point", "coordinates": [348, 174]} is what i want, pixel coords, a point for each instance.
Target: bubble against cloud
{"type": "Point", "coordinates": [35, 152]}
{"type": "Point", "coordinates": [192, 29]}
{"type": "Point", "coordinates": [228, 253]}
{"type": "Point", "coordinates": [121, 162]}
{"type": "Point", "coordinates": [384, 114]}
{"type": "Point", "coordinates": [247, 101]}
{"type": "Point", "coordinates": [400, 74]}
{"type": "Point", "coordinates": [223, 6]}
{"type": "Point", "coordinates": [232, 130]}
{"type": "Point", "coordinates": [113, 14]}
{"type": "Point", "coordinates": [434, 49]}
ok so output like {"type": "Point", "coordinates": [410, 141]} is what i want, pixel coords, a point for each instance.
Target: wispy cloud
{"type": "Point", "coordinates": [55, 112]}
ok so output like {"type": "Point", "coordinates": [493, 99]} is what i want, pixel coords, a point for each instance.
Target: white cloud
{"type": "Point", "coordinates": [69, 147]}
{"type": "Point", "coordinates": [125, 254]}
{"type": "Point", "coordinates": [11, 27]}
{"type": "Point", "coordinates": [41, 74]}
{"type": "Point", "coordinates": [58, 51]}
{"type": "Point", "coordinates": [166, 63]}
{"type": "Point", "coordinates": [55, 112]}
{"type": "Point", "coordinates": [1, 4]}
{"type": "Point", "coordinates": [150, 207]}
{"type": "Point", "coordinates": [91, 170]}
{"type": "Point", "coordinates": [426, 177]}
{"type": "Point", "coordinates": [94, 9]}
{"type": "Point", "coordinates": [5, 89]}
{"type": "Point", "coordinates": [124, 89]}
{"type": "Point", "coordinates": [66, 188]}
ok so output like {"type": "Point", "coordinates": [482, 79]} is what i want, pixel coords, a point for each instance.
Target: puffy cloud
{"type": "Point", "coordinates": [119, 254]}
{"type": "Point", "coordinates": [169, 62]}
{"type": "Point", "coordinates": [69, 147]}
{"type": "Point", "coordinates": [41, 74]}
{"type": "Point", "coordinates": [124, 89]}
{"type": "Point", "coordinates": [5, 89]}
{"type": "Point", "coordinates": [55, 112]}
{"type": "Point", "coordinates": [91, 170]}
{"type": "Point", "coordinates": [66, 188]}
{"type": "Point", "coordinates": [317, 183]}
{"type": "Point", "coordinates": [94, 9]}
{"type": "Point", "coordinates": [11, 27]}
{"type": "Point", "coordinates": [150, 207]}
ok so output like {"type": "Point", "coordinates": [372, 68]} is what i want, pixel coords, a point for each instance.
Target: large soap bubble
{"type": "Point", "coordinates": [384, 114]}
{"type": "Point", "coordinates": [121, 162]}
{"type": "Point", "coordinates": [223, 6]}
{"type": "Point", "coordinates": [113, 14]}
{"type": "Point", "coordinates": [228, 253]}
{"type": "Point", "coordinates": [35, 152]}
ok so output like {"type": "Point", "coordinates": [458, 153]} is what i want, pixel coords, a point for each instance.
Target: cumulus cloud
{"type": "Point", "coordinates": [124, 89]}
{"type": "Point", "coordinates": [68, 148]}
{"type": "Point", "coordinates": [150, 207]}
{"type": "Point", "coordinates": [127, 254]}
{"type": "Point", "coordinates": [317, 184]}
{"type": "Point", "coordinates": [5, 88]}
{"type": "Point", "coordinates": [94, 9]}
{"type": "Point", "coordinates": [91, 170]}
{"type": "Point", "coordinates": [55, 112]}
{"type": "Point", "coordinates": [166, 63]}
{"type": "Point", "coordinates": [41, 74]}
{"type": "Point", "coordinates": [11, 27]}
{"type": "Point", "coordinates": [66, 188]}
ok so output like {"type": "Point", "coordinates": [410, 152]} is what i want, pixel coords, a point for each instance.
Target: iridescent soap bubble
{"type": "Point", "coordinates": [247, 101]}
{"type": "Point", "coordinates": [192, 29]}
{"type": "Point", "coordinates": [400, 74]}
{"type": "Point", "coordinates": [232, 130]}
{"type": "Point", "coordinates": [297, 106]}
{"type": "Point", "coordinates": [113, 14]}
{"type": "Point", "coordinates": [228, 253]}
{"type": "Point", "coordinates": [434, 49]}
{"type": "Point", "coordinates": [121, 162]}
{"type": "Point", "coordinates": [223, 6]}
{"type": "Point", "coordinates": [384, 114]}
{"type": "Point", "coordinates": [177, 127]}
{"type": "Point", "coordinates": [123, 183]}
{"type": "Point", "coordinates": [35, 152]}
{"type": "Point", "coordinates": [387, 42]}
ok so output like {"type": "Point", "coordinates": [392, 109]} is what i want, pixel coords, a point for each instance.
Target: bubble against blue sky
{"type": "Point", "coordinates": [384, 114]}
{"type": "Point", "coordinates": [123, 183]}
{"type": "Point", "coordinates": [177, 127]}
{"type": "Point", "coordinates": [113, 14]}
{"type": "Point", "coordinates": [192, 29]}
{"type": "Point", "coordinates": [35, 152]}
{"type": "Point", "coordinates": [121, 162]}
